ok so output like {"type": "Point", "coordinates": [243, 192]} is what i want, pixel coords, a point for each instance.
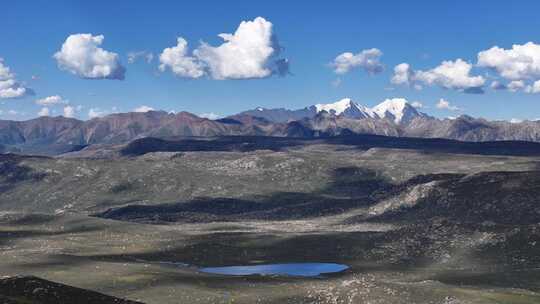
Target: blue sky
{"type": "Point", "coordinates": [420, 33]}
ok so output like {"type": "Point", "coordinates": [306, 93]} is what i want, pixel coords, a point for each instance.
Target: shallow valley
{"type": "Point", "coordinates": [414, 226]}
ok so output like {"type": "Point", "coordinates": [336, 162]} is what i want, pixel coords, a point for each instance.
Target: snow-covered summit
{"type": "Point", "coordinates": [347, 108]}
{"type": "Point", "coordinates": [337, 107]}
{"type": "Point", "coordinates": [396, 109]}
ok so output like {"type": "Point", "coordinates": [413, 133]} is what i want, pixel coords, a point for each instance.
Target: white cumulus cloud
{"type": "Point", "coordinates": [520, 65]}
{"type": "Point", "coordinates": [210, 115]}
{"type": "Point", "coordinates": [69, 111]}
{"type": "Point", "coordinates": [515, 85]}
{"type": "Point", "coordinates": [143, 109]}
{"type": "Point", "coordinates": [417, 104]}
{"type": "Point", "coordinates": [96, 112]}
{"type": "Point", "coordinates": [533, 88]}
{"type": "Point", "coordinates": [44, 112]}
{"type": "Point", "coordinates": [403, 74]}
{"type": "Point", "coordinates": [252, 51]}
{"type": "Point", "coordinates": [455, 75]}
{"type": "Point", "coordinates": [99, 112]}
{"type": "Point", "coordinates": [451, 75]}
{"type": "Point", "coordinates": [182, 64]}
{"type": "Point", "coordinates": [369, 60]}
{"type": "Point", "coordinates": [9, 86]}
{"type": "Point", "coordinates": [248, 53]}
{"type": "Point", "coordinates": [521, 62]}
{"type": "Point", "coordinates": [81, 55]}
{"type": "Point", "coordinates": [51, 100]}
{"type": "Point", "coordinates": [446, 105]}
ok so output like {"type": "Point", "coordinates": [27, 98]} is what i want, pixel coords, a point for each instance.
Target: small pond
{"type": "Point", "coordinates": [290, 269]}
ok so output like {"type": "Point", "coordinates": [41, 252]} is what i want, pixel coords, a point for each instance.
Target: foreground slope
{"type": "Point", "coordinates": [21, 290]}
{"type": "Point", "coordinates": [417, 221]}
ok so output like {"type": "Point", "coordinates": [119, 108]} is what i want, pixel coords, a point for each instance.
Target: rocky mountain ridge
{"type": "Point", "coordinates": [393, 117]}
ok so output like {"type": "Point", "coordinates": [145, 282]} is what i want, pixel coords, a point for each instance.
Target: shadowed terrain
{"type": "Point", "coordinates": [364, 142]}
{"type": "Point", "coordinates": [20, 290]}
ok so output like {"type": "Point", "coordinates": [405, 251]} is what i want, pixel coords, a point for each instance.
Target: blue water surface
{"type": "Point", "coordinates": [290, 269]}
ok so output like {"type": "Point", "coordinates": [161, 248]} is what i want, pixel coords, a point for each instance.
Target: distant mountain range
{"type": "Point", "coordinates": [393, 117]}
{"type": "Point", "coordinates": [396, 117]}
{"type": "Point", "coordinates": [397, 110]}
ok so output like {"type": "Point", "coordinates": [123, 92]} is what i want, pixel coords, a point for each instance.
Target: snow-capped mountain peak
{"type": "Point", "coordinates": [396, 109]}
{"type": "Point", "coordinates": [347, 108]}
{"type": "Point", "coordinates": [337, 107]}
